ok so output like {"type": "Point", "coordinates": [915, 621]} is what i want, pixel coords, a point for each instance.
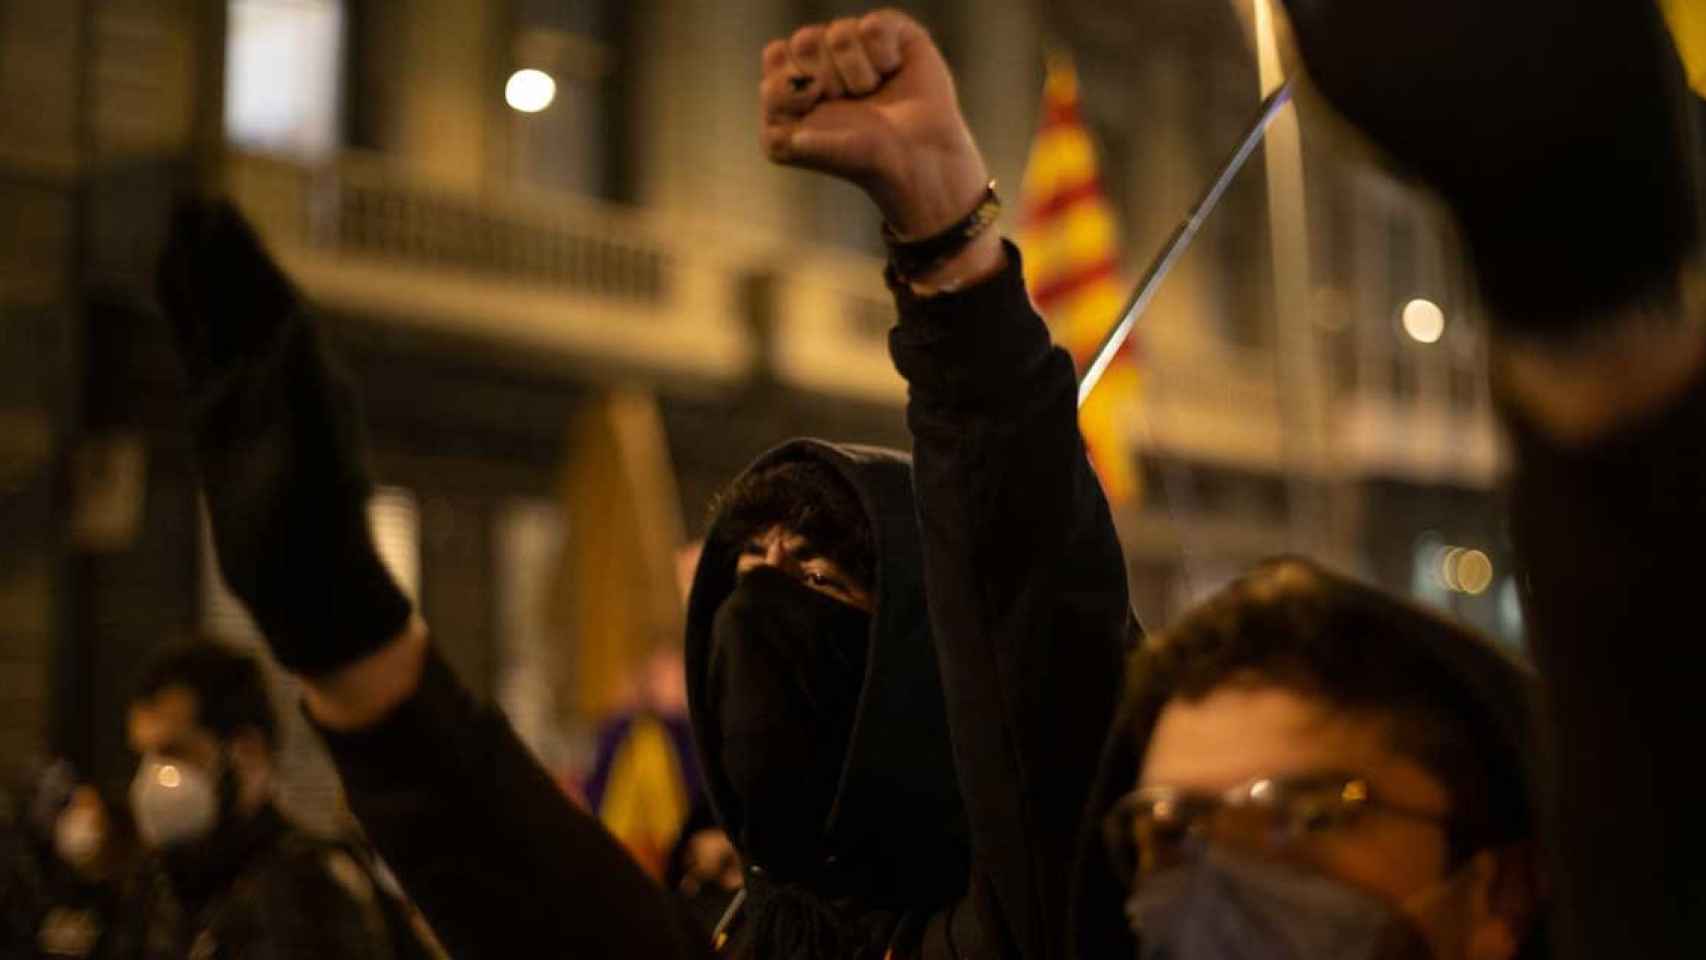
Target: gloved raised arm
{"type": "Point", "coordinates": [281, 450]}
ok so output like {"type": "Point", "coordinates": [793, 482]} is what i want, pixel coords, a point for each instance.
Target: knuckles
{"type": "Point", "coordinates": [806, 43]}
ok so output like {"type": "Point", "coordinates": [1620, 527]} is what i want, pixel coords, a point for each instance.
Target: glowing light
{"type": "Point", "coordinates": [1424, 321]}
{"type": "Point", "coordinates": [169, 776]}
{"type": "Point", "coordinates": [1448, 567]}
{"type": "Point", "coordinates": [1474, 573]}
{"type": "Point", "coordinates": [530, 91]}
{"type": "Point", "coordinates": [1461, 569]}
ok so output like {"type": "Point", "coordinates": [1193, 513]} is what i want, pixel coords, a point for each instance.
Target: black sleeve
{"type": "Point", "coordinates": [1610, 539]}
{"type": "Point", "coordinates": [1026, 587]}
{"type": "Point", "coordinates": [499, 861]}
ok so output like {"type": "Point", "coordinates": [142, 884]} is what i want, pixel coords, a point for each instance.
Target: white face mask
{"type": "Point", "coordinates": [78, 836]}
{"type": "Point", "coordinates": [174, 803]}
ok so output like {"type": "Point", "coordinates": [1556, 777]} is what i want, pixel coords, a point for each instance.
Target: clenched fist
{"type": "Point", "coordinates": [871, 101]}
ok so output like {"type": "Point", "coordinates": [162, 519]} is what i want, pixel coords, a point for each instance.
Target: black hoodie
{"type": "Point", "coordinates": [1002, 701]}
{"type": "Point", "coordinates": [897, 824]}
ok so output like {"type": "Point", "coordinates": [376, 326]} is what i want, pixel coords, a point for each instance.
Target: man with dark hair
{"type": "Point", "coordinates": [1308, 767]}
{"type": "Point", "coordinates": [805, 502]}
{"type": "Point", "coordinates": [229, 875]}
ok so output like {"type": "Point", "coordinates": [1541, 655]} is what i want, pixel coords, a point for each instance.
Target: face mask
{"type": "Point", "coordinates": [174, 803]}
{"type": "Point", "coordinates": [787, 667]}
{"type": "Point", "coordinates": [78, 836]}
{"type": "Point", "coordinates": [1227, 906]}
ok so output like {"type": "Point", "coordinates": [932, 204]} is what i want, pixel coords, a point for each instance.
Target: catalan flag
{"type": "Point", "coordinates": [1070, 243]}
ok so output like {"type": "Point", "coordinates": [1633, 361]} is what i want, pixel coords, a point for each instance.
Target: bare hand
{"type": "Point", "coordinates": [871, 101]}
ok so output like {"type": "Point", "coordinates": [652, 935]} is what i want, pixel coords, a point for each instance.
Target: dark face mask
{"type": "Point", "coordinates": [1231, 907]}
{"type": "Point", "coordinates": [787, 666]}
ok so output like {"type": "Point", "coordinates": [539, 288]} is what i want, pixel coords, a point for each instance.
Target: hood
{"type": "Point", "coordinates": [897, 825]}
{"type": "Point", "coordinates": [1502, 696]}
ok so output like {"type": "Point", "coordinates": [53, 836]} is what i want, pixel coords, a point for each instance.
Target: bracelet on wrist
{"type": "Point", "coordinates": [910, 259]}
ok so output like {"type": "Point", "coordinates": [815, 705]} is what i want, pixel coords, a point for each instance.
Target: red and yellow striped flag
{"type": "Point", "coordinates": [1068, 236]}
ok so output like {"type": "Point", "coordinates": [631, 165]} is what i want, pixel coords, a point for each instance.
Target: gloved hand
{"type": "Point", "coordinates": [280, 445]}
{"type": "Point", "coordinates": [1559, 131]}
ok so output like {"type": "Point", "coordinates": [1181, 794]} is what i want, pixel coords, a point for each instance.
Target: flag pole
{"type": "Point", "coordinates": [1178, 243]}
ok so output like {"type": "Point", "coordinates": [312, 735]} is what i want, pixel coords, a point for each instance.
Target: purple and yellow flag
{"type": "Point", "coordinates": [1069, 238]}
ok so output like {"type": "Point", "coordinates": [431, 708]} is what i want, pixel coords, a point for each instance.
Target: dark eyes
{"type": "Point", "coordinates": [827, 582]}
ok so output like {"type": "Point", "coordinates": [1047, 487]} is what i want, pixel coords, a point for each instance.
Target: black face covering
{"type": "Point", "coordinates": [787, 666]}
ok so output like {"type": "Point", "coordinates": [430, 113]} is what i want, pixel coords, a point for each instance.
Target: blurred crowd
{"type": "Point", "coordinates": [194, 858]}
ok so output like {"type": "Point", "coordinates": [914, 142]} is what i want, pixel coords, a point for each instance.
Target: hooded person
{"type": "Point", "coordinates": [817, 705]}
{"type": "Point", "coordinates": [848, 808]}
{"type": "Point", "coordinates": [1305, 768]}
{"type": "Point", "coordinates": [903, 766]}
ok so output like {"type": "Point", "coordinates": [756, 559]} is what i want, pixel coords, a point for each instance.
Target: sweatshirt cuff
{"type": "Point", "coordinates": [417, 736]}
{"type": "Point", "coordinates": [970, 344]}
{"type": "Point", "coordinates": [1653, 465]}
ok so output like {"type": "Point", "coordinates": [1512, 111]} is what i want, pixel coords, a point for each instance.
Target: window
{"type": "Point", "coordinates": [283, 75]}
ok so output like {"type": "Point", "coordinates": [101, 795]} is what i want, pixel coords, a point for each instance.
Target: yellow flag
{"type": "Point", "coordinates": [1688, 25]}
{"type": "Point", "coordinates": [1070, 242]}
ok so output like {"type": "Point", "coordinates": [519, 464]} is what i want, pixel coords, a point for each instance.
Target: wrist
{"type": "Point", "coordinates": [932, 195]}
{"type": "Point", "coordinates": [365, 692]}
{"type": "Point", "coordinates": [1631, 365]}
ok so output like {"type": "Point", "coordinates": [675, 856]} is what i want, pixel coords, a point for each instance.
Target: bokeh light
{"type": "Point", "coordinates": [530, 91]}
{"type": "Point", "coordinates": [1424, 321]}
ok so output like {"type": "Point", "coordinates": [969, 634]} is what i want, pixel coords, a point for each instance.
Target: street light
{"type": "Point", "coordinates": [530, 91]}
{"type": "Point", "coordinates": [1424, 321]}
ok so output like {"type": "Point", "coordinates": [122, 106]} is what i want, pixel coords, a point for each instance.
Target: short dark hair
{"type": "Point", "coordinates": [230, 687]}
{"type": "Point", "coordinates": [808, 498]}
{"type": "Point", "coordinates": [1451, 701]}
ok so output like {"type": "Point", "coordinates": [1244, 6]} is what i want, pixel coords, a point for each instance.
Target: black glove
{"type": "Point", "coordinates": [280, 445]}
{"type": "Point", "coordinates": [1559, 131]}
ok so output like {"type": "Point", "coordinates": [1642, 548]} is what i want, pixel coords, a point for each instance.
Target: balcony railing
{"type": "Point", "coordinates": [635, 294]}
{"type": "Point", "coordinates": [363, 206]}
{"type": "Point", "coordinates": [617, 288]}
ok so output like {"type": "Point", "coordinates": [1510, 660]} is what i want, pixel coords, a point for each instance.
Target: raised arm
{"type": "Point", "coordinates": [500, 861]}
{"type": "Point", "coordinates": [1026, 585]}
{"type": "Point", "coordinates": [1562, 137]}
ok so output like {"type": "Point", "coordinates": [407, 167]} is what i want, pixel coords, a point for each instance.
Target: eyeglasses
{"type": "Point", "coordinates": [1154, 828]}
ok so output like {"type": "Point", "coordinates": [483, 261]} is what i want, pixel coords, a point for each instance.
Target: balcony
{"type": "Point", "coordinates": [617, 292]}
{"type": "Point", "coordinates": [620, 294]}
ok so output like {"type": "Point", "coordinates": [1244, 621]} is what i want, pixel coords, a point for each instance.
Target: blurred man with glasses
{"type": "Point", "coordinates": [1307, 767]}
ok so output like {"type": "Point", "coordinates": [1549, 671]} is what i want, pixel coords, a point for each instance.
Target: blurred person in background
{"type": "Point", "coordinates": [228, 874]}
{"type": "Point", "coordinates": [67, 867]}
{"type": "Point", "coordinates": [645, 776]}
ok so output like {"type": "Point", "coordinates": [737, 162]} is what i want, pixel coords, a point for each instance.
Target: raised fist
{"type": "Point", "coordinates": [1556, 130]}
{"type": "Point", "coordinates": [871, 101]}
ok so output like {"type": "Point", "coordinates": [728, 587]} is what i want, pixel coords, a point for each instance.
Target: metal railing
{"type": "Point", "coordinates": [362, 207]}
